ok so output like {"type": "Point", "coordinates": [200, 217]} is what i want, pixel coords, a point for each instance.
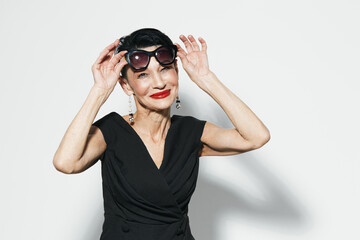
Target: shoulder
{"type": "Point", "coordinates": [188, 119]}
{"type": "Point", "coordinates": [108, 121]}
{"type": "Point", "coordinates": [191, 125]}
{"type": "Point", "coordinates": [108, 116]}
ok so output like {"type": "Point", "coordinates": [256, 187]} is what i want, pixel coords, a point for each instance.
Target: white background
{"type": "Point", "coordinates": [294, 63]}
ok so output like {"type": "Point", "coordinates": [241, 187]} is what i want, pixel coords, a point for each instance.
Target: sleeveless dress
{"type": "Point", "coordinates": [142, 201]}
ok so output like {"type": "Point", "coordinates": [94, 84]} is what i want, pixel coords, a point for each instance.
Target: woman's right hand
{"type": "Point", "coordinates": [106, 69]}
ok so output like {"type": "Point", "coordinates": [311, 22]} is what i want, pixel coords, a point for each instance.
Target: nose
{"type": "Point", "coordinates": [158, 81]}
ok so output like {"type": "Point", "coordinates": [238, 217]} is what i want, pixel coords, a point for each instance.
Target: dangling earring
{"type": "Point", "coordinates": [131, 115]}
{"type": "Point", "coordinates": [178, 106]}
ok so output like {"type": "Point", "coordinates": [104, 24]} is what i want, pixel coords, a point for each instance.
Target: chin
{"type": "Point", "coordinates": [163, 105]}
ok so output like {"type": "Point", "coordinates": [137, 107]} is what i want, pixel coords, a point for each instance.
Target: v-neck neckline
{"type": "Point", "coordinates": [143, 144]}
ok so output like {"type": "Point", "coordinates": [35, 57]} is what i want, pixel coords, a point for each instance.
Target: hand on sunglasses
{"type": "Point", "coordinates": [194, 61]}
{"type": "Point", "coordinates": [106, 69]}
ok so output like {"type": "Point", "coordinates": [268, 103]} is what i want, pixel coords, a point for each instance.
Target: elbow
{"type": "Point", "coordinates": [263, 140]}
{"type": "Point", "coordinates": [266, 138]}
{"type": "Point", "coordinates": [63, 166]}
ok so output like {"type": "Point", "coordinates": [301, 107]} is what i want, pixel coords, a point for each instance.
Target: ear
{"type": "Point", "coordinates": [126, 86]}
{"type": "Point", "coordinates": [176, 66]}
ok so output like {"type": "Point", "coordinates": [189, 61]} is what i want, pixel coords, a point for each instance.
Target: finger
{"type": "Point", "coordinates": [194, 43]}
{"type": "Point", "coordinates": [203, 44]}
{"type": "Point", "coordinates": [182, 55]}
{"type": "Point", "coordinates": [115, 59]}
{"type": "Point", "coordinates": [186, 42]}
{"type": "Point", "coordinates": [180, 49]}
{"type": "Point", "coordinates": [105, 52]}
{"type": "Point", "coordinates": [112, 46]}
{"type": "Point", "coordinates": [117, 41]}
{"type": "Point", "coordinates": [120, 66]}
{"type": "Point", "coordinates": [112, 51]}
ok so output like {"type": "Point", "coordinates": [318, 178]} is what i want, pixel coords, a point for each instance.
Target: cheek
{"type": "Point", "coordinates": [141, 88]}
{"type": "Point", "coordinates": [172, 78]}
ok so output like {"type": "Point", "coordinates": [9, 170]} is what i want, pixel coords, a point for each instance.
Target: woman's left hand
{"type": "Point", "coordinates": [194, 61]}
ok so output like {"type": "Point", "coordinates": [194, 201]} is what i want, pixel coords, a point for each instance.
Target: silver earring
{"type": "Point", "coordinates": [178, 106]}
{"type": "Point", "coordinates": [131, 115]}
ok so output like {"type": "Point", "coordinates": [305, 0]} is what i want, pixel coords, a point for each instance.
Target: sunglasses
{"type": "Point", "coordinates": [139, 59]}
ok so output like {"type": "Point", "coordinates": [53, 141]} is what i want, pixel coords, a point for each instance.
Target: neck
{"type": "Point", "coordinates": [152, 124]}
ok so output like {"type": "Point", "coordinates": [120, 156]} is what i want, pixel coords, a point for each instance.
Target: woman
{"type": "Point", "coordinates": [150, 160]}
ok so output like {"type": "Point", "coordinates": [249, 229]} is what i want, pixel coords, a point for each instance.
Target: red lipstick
{"type": "Point", "coordinates": [161, 94]}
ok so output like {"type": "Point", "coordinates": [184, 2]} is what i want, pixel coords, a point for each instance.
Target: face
{"type": "Point", "coordinates": [156, 78]}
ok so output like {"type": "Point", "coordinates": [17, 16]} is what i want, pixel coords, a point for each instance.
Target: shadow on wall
{"type": "Point", "coordinates": [211, 201]}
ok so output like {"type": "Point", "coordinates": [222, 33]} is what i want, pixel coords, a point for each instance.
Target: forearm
{"type": "Point", "coordinates": [73, 143]}
{"type": "Point", "coordinates": [245, 121]}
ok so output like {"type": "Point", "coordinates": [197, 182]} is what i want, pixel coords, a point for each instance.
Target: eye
{"type": "Point", "coordinates": [166, 68]}
{"type": "Point", "coordinates": [141, 75]}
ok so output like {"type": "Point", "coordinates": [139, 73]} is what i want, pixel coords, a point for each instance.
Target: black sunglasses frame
{"type": "Point", "coordinates": [150, 54]}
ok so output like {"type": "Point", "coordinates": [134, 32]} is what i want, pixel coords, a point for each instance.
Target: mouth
{"type": "Point", "coordinates": [161, 94]}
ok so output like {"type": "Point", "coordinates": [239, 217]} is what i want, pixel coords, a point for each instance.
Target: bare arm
{"type": "Point", "coordinates": [83, 144]}
{"type": "Point", "coordinates": [249, 132]}
{"type": "Point", "coordinates": [73, 144]}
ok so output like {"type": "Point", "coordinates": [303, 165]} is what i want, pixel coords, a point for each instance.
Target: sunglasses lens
{"type": "Point", "coordinates": [165, 55]}
{"type": "Point", "coordinates": [138, 59]}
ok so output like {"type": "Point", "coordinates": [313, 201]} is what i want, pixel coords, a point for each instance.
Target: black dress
{"type": "Point", "coordinates": [142, 201]}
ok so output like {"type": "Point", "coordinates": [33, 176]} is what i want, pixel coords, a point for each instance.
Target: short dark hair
{"type": "Point", "coordinates": [142, 38]}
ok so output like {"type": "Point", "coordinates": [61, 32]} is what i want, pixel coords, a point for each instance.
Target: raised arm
{"type": "Point", "coordinates": [83, 144]}
{"type": "Point", "coordinates": [249, 132]}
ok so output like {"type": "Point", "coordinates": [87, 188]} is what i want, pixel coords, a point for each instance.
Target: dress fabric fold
{"type": "Point", "coordinates": [142, 201]}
